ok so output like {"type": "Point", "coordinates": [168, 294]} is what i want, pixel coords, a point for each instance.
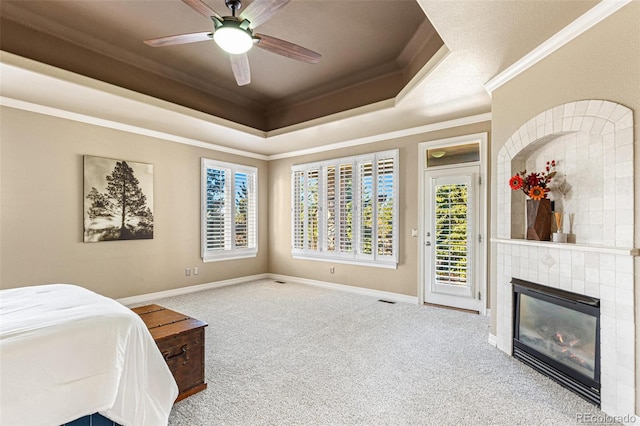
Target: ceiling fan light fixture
{"type": "Point", "coordinates": [233, 39]}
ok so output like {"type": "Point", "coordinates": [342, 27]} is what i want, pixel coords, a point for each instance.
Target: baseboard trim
{"type": "Point", "coordinates": [493, 340]}
{"type": "Point", "coordinates": [387, 295]}
{"type": "Point", "coordinates": [190, 289]}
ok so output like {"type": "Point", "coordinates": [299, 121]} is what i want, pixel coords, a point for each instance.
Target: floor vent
{"type": "Point", "coordinates": [387, 301]}
{"type": "Point", "coordinates": [279, 282]}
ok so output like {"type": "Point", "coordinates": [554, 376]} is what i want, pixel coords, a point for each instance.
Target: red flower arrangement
{"type": "Point", "coordinates": [534, 185]}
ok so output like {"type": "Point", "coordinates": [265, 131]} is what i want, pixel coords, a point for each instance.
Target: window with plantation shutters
{"type": "Point", "coordinates": [344, 210]}
{"type": "Point", "coordinates": [385, 207]}
{"type": "Point", "coordinates": [229, 211]}
{"type": "Point", "coordinates": [451, 234]}
{"type": "Point", "coordinates": [305, 209]}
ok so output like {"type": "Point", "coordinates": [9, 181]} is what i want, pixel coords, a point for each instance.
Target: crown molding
{"type": "Point", "coordinates": [596, 14]}
{"type": "Point", "coordinates": [479, 118]}
{"type": "Point", "coordinates": [83, 118]}
{"type": "Point", "coordinates": [54, 75]}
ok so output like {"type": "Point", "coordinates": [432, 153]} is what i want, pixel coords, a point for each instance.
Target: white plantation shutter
{"type": "Point", "coordinates": [217, 210]}
{"type": "Point", "coordinates": [366, 209]}
{"type": "Point", "coordinates": [331, 210]}
{"type": "Point", "coordinates": [297, 208]}
{"type": "Point", "coordinates": [246, 213]}
{"type": "Point", "coordinates": [345, 209]}
{"type": "Point", "coordinates": [229, 211]}
{"type": "Point", "coordinates": [386, 208]}
{"type": "Point", "coordinates": [452, 243]}
{"type": "Point", "coordinates": [313, 210]}
{"type": "Point", "coordinates": [306, 211]}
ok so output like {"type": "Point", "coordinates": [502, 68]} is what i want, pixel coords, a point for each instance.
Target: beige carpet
{"type": "Point", "coordinates": [291, 354]}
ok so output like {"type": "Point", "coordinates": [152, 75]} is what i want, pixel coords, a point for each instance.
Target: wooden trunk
{"type": "Point", "coordinates": [180, 339]}
{"type": "Point", "coordinates": [539, 220]}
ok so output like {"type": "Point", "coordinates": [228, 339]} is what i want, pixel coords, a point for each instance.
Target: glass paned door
{"type": "Point", "coordinates": [451, 237]}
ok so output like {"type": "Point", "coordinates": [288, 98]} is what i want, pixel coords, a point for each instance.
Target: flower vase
{"type": "Point", "coordinates": [539, 219]}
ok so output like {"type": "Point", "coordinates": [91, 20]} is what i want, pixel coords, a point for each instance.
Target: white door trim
{"type": "Point", "coordinates": [483, 192]}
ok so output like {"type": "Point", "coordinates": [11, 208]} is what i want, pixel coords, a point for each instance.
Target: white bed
{"type": "Point", "coordinates": [66, 352]}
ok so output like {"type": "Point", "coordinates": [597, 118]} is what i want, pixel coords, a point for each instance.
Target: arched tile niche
{"type": "Point", "coordinates": [593, 142]}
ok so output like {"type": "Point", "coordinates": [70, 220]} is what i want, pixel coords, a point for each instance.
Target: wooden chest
{"type": "Point", "coordinates": [180, 338]}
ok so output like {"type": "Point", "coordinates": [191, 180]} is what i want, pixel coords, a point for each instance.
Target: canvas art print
{"type": "Point", "coordinates": [118, 200]}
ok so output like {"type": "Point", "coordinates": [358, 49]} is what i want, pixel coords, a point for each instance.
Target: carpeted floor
{"type": "Point", "coordinates": [292, 354]}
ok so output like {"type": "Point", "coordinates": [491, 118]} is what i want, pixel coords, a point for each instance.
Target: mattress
{"type": "Point", "coordinates": [66, 352]}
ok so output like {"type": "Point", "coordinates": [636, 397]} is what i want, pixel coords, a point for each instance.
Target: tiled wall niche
{"type": "Point", "coordinates": [599, 207]}
{"type": "Point", "coordinates": [601, 263]}
{"type": "Point", "coordinates": [576, 131]}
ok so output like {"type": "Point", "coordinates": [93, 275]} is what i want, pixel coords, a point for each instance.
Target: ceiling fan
{"type": "Point", "coordinates": [235, 35]}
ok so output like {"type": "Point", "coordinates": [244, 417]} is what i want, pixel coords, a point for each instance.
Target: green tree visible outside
{"type": "Point", "coordinates": [241, 211]}
{"type": "Point", "coordinates": [451, 234]}
{"type": "Point", "coordinates": [313, 220]}
{"type": "Point", "coordinates": [340, 208]}
{"type": "Point", "coordinates": [385, 206]}
{"type": "Point", "coordinates": [346, 212]}
{"type": "Point", "coordinates": [382, 202]}
{"type": "Point", "coordinates": [366, 205]}
{"type": "Point", "coordinates": [215, 209]}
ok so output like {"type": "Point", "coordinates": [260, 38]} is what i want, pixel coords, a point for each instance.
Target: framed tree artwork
{"type": "Point", "coordinates": [118, 200]}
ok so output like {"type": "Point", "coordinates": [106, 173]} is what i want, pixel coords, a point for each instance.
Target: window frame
{"type": "Point", "coordinates": [232, 252]}
{"type": "Point", "coordinates": [299, 247]}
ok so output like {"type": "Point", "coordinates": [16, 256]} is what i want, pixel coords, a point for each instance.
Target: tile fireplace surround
{"type": "Point", "coordinates": [593, 143]}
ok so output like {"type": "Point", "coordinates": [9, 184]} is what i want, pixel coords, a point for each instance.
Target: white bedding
{"type": "Point", "coordinates": [66, 352]}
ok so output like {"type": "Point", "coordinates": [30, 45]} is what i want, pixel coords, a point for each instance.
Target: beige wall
{"type": "Point", "coordinates": [603, 63]}
{"type": "Point", "coordinates": [403, 280]}
{"type": "Point", "coordinates": [42, 213]}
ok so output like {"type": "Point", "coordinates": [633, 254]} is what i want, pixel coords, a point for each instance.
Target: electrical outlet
{"type": "Point", "coordinates": [195, 271]}
{"type": "Point", "coordinates": [187, 272]}
{"type": "Point", "coordinates": [332, 270]}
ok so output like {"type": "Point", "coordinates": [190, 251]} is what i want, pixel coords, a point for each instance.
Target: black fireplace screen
{"type": "Point", "coordinates": [558, 333]}
{"type": "Point", "coordinates": [563, 334]}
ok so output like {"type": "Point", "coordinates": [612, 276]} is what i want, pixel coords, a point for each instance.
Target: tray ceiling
{"type": "Point", "coordinates": [370, 50]}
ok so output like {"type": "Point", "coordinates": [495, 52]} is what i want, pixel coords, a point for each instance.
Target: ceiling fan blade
{"type": "Point", "coordinates": [179, 39]}
{"type": "Point", "coordinates": [202, 8]}
{"type": "Point", "coordinates": [241, 70]}
{"type": "Point", "coordinates": [285, 48]}
{"type": "Point", "coordinates": [260, 11]}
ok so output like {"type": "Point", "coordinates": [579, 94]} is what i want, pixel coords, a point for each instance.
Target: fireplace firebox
{"type": "Point", "coordinates": [558, 333]}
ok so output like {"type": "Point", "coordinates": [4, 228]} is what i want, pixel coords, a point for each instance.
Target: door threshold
{"type": "Point", "coordinates": [452, 308]}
